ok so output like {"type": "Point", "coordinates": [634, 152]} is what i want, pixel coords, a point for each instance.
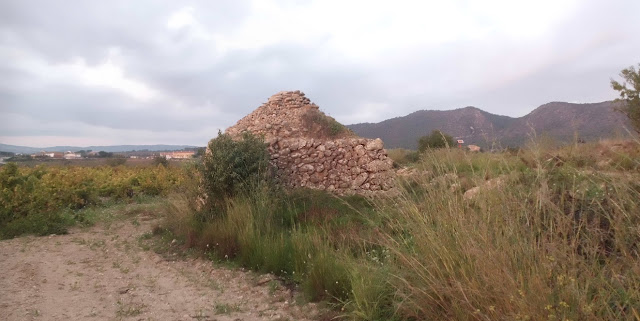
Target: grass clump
{"type": "Point", "coordinates": [323, 125]}
{"type": "Point", "coordinates": [403, 157]}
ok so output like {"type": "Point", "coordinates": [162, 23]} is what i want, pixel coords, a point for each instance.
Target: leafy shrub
{"type": "Point", "coordinates": [629, 101]}
{"type": "Point", "coordinates": [436, 139]}
{"type": "Point", "coordinates": [233, 167]}
{"type": "Point", "coordinates": [159, 160]}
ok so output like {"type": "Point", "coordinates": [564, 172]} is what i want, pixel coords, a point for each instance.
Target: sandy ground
{"type": "Point", "coordinates": [106, 273]}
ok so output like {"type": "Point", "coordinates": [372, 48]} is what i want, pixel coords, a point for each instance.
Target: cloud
{"type": "Point", "coordinates": [159, 72]}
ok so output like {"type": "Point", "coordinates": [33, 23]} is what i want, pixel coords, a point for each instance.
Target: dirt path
{"type": "Point", "coordinates": [103, 273]}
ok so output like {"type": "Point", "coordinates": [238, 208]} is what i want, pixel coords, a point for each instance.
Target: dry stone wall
{"type": "Point", "coordinates": [305, 157]}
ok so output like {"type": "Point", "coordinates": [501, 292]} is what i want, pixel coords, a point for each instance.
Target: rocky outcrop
{"type": "Point", "coordinates": [310, 149]}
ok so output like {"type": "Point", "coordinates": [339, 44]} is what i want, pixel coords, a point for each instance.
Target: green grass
{"type": "Point", "coordinates": [403, 157]}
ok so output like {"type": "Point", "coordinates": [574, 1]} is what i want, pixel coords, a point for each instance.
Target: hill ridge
{"type": "Point", "coordinates": [560, 120]}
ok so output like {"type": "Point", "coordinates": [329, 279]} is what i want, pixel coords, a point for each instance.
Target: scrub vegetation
{"type": "Point", "coordinates": [550, 233]}
{"type": "Point", "coordinates": [540, 233]}
{"type": "Point", "coordinates": [46, 200]}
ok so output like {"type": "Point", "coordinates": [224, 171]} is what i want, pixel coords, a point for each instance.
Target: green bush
{"type": "Point", "coordinates": [436, 139]}
{"type": "Point", "coordinates": [160, 160]}
{"type": "Point", "coordinates": [233, 167]}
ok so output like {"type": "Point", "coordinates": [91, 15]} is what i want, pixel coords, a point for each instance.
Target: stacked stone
{"type": "Point", "coordinates": [280, 116]}
{"type": "Point", "coordinates": [342, 166]}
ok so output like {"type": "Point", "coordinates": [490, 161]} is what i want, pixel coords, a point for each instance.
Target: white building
{"type": "Point", "coordinates": [70, 155]}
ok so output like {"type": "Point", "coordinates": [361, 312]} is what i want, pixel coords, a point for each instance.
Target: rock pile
{"type": "Point", "coordinates": [310, 150]}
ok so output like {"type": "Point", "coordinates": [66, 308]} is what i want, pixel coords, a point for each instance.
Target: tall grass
{"type": "Point", "coordinates": [549, 234]}
{"type": "Point", "coordinates": [555, 242]}
{"type": "Point", "coordinates": [309, 238]}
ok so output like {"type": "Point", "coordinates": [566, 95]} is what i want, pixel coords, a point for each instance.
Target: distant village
{"type": "Point", "coordinates": [69, 155]}
{"type": "Point", "coordinates": [89, 154]}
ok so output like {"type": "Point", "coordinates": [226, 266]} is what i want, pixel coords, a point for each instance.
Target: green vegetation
{"type": "Point", "coordinates": [325, 126]}
{"type": "Point", "coordinates": [47, 199]}
{"type": "Point", "coordinates": [541, 233]}
{"type": "Point", "coordinates": [225, 308]}
{"type": "Point", "coordinates": [555, 240]}
{"type": "Point", "coordinates": [436, 139]}
{"type": "Point", "coordinates": [233, 167]}
{"type": "Point", "coordinates": [162, 161]}
{"type": "Point", "coordinates": [401, 156]}
{"type": "Point", "coordinates": [629, 97]}
{"type": "Point", "coordinates": [103, 154]}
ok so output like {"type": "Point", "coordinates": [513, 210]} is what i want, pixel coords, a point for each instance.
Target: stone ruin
{"type": "Point", "coordinates": [312, 150]}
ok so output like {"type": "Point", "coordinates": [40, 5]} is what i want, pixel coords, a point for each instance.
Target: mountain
{"type": "Point", "coordinates": [559, 120]}
{"type": "Point", "coordinates": [111, 149]}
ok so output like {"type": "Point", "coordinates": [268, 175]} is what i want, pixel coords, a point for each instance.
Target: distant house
{"type": "Point", "coordinates": [45, 154]}
{"type": "Point", "coordinates": [178, 154]}
{"type": "Point", "coordinates": [71, 155]}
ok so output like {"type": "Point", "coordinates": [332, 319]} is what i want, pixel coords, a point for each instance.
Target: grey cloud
{"type": "Point", "coordinates": [61, 29]}
{"type": "Point", "coordinates": [103, 108]}
{"type": "Point", "coordinates": [500, 75]}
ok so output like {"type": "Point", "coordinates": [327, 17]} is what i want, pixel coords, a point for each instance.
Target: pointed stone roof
{"type": "Point", "coordinates": [289, 114]}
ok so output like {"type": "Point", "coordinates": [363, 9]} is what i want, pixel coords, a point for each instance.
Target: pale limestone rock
{"type": "Point", "coordinates": [360, 179]}
{"type": "Point", "coordinates": [375, 144]}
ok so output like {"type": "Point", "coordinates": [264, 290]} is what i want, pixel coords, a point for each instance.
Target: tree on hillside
{"type": "Point", "coordinates": [437, 139]}
{"type": "Point", "coordinates": [629, 96]}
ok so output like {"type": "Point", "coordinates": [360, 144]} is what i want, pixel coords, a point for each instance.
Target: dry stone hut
{"type": "Point", "coordinates": [310, 149]}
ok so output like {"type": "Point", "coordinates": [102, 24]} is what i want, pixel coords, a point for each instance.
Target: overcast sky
{"type": "Point", "coordinates": [147, 72]}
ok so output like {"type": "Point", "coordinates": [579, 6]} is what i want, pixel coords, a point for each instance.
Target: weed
{"type": "Point", "coordinates": [129, 309]}
{"type": "Point", "coordinates": [225, 308]}
{"type": "Point", "coordinates": [323, 125]}
{"type": "Point", "coordinates": [273, 287]}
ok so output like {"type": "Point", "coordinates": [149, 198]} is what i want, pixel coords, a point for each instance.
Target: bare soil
{"type": "Point", "coordinates": [106, 272]}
